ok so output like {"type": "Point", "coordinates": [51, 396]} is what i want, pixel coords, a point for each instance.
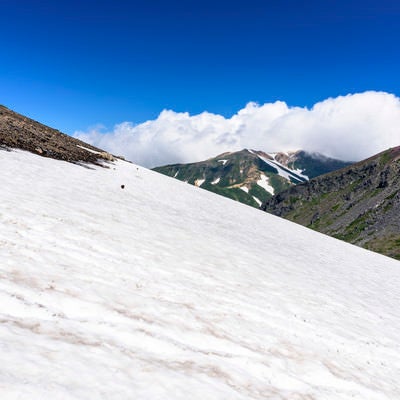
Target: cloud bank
{"type": "Point", "coordinates": [349, 127]}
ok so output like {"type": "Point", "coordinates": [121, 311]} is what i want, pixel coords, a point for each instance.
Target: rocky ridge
{"type": "Point", "coordinates": [18, 131]}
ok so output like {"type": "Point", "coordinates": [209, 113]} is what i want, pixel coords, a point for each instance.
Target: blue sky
{"type": "Point", "coordinates": [75, 64]}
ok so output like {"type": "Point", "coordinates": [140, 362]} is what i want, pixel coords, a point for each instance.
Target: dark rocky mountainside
{"type": "Point", "coordinates": [17, 131]}
{"type": "Point", "coordinates": [251, 176]}
{"type": "Point", "coordinates": [359, 204]}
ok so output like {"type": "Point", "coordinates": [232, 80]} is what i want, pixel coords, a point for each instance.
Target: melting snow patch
{"type": "Point", "coordinates": [282, 171]}
{"type": "Point", "coordinates": [87, 149]}
{"type": "Point", "coordinates": [300, 173]}
{"type": "Point", "coordinates": [257, 200]}
{"type": "Point", "coordinates": [223, 161]}
{"type": "Point", "coordinates": [199, 182]}
{"type": "Point", "coordinates": [215, 181]}
{"type": "Point", "coordinates": [264, 183]}
{"type": "Point", "coordinates": [244, 188]}
{"type": "Point", "coordinates": [176, 174]}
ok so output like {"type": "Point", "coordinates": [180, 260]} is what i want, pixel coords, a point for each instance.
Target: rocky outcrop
{"type": "Point", "coordinates": [17, 131]}
{"type": "Point", "coordinates": [359, 204]}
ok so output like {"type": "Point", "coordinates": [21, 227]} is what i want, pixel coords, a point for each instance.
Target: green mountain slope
{"type": "Point", "coordinates": [359, 204]}
{"type": "Point", "coordinates": [251, 176]}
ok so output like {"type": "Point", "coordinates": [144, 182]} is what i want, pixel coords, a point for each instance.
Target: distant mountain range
{"type": "Point", "coordinates": [251, 176]}
{"type": "Point", "coordinates": [359, 204]}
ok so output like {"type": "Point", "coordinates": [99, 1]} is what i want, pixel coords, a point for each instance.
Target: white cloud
{"type": "Point", "coordinates": [349, 127]}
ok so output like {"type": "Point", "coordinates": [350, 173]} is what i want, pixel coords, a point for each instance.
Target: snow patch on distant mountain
{"type": "Point", "coordinates": [281, 170]}
{"type": "Point", "coordinates": [87, 149]}
{"type": "Point", "coordinates": [258, 201]}
{"type": "Point", "coordinates": [299, 172]}
{"type": "Point", "coordinates": [264, 183]}
{"type": "Point", "coordinates": [199, 182]}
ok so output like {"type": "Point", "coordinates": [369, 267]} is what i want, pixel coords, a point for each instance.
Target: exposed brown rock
{"type": "Point", "coordinates": [17, 131]}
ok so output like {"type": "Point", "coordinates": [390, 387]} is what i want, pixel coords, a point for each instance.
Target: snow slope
{"type": "Point", "coordinates": [165, 291]}
{"type": "Point", "coordinates": [264, 183]}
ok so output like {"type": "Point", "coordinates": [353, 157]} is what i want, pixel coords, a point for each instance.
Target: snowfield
{"type": "Point", "coordinates": [164, 291]}
{"type": "Point", "coordinates": [264, 183]}
{"type": "Point", "coordinates": [282, 171]}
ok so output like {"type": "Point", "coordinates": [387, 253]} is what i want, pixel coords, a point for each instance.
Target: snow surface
{"type": "Point", "coordinates": [298, 172]}
{"type": "Point", "coordinates": [87, 149]}
{"type": "Point", "coordinates": [214, 182]}
{"type": "Point", "coordinates": [257, 200]}
{"type": "Point", "coordinates": [166, 291]}
{"type": "Point", "coordinates": [223, 161]}
{"type": "Point", "coordinates": [282, 171]}
{"type": "Point", "coordinates": [264, 183]}
{"type": "Point", "coordinates": [244, 188]}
